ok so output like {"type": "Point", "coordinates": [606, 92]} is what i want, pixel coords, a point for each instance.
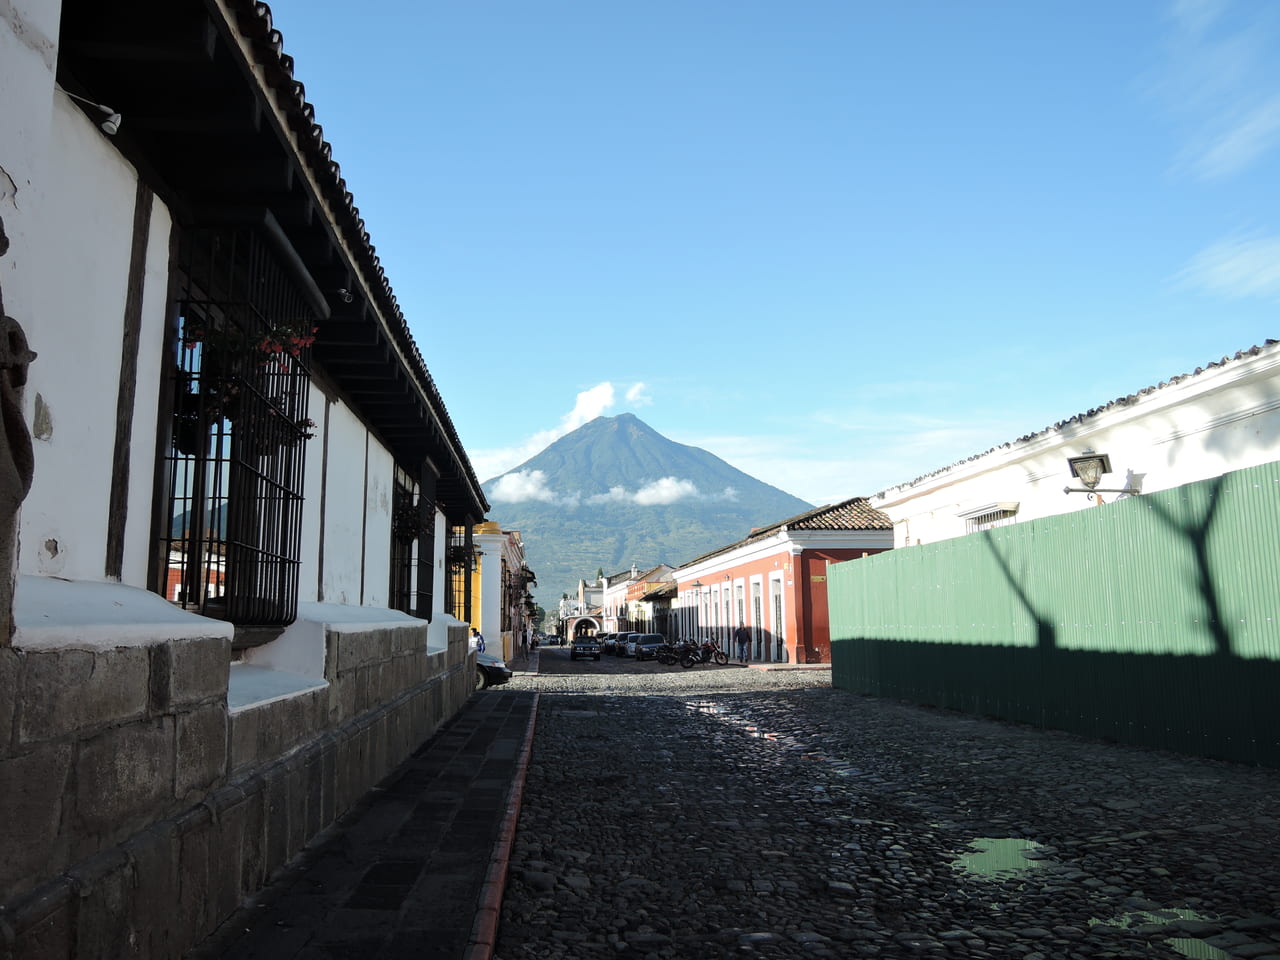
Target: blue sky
{"type": "Point", "coordinates": [838, 244]}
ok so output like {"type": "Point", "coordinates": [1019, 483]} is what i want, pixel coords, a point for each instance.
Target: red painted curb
{"type": "Point", "coordinates": [484, 933]}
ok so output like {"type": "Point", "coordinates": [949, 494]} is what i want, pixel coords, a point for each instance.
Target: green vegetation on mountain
{"type": "Point", "coordinates": [616, 492]}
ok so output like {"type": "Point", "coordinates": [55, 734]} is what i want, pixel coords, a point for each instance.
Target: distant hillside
{"type": "Point", "coordinates": [616, 492]}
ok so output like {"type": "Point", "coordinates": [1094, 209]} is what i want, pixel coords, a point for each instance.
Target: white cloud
{"type": "Point", "coordinates": [1242, 143]}
{"type": "Point", "coordinates": [668, 490]}
{"type": "Point", "coordinates": [589, 404]}
{"type": "Point", "coordinates": [665, 491]}
{"type": "Point", "coordinates": [1196, 16]}
{"type": "Point", "coordinates": [522, 486]}
{"type": "Point", "coordinates": [1218, 83]}
{"type": "Point", "coordinates": [1244, 266]}
{"type": "Point", "coordinates": [615, 495]}
{"type": "Point", "coordinates": [638, 396]}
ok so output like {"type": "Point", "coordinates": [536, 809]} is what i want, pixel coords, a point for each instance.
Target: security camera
{"type": "Point", "coordinates": [344, 295]}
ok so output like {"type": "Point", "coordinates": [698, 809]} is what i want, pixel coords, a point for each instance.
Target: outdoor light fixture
{"type": "Point", "coordinates": [109, 126]}
{"type": "Point", "coordinates": [344, 295]}
{"type": "Point", "coordinates": [1089, 468]}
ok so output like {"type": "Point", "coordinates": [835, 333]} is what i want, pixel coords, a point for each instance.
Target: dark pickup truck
{"type": "Point", "coordinates": [585, 647]}
{"type": "Point", "coordinates": [647, 645]}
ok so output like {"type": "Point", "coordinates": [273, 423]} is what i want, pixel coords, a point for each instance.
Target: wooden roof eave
{"type": "Point", "coordinates": [213, 121]}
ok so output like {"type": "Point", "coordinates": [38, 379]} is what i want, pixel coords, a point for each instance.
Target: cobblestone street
{"type": "Point", "coordinates": [718, 812]}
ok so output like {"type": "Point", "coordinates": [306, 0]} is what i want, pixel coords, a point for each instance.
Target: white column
{"type": "Point", "coordinates": [489, 609]}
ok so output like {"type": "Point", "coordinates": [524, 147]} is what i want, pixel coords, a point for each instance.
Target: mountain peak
{"type": "Point", "coordinates": [616, 489]}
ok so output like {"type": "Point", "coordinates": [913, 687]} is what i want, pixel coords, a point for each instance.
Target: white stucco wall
{"type": "Point", "coordinates": [28, 58]}
{"type": "Point", "coordinates": [1225, 418]}
{"type": "Point", "coordinates": [438, 632]}
{"type": "Point", "coordinates": [81, 269]}
{"type": "Point", "coordinates": [377, 552]}
{"type": "Point", "coordinates": [343, 526]}
{"type": "Point", "coordinates": [357, 524]}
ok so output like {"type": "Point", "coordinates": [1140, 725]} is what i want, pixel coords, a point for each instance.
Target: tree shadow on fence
{"type": "Point", "coordinates": [1215, 704]}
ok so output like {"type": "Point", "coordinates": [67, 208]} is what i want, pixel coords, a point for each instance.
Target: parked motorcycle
{"type": "Point", "coordinates": [706, 652]}
{"type": "Point", "coordinates": [673, 653]}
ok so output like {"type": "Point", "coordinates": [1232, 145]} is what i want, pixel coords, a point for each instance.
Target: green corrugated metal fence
{"type": "Point", "coordinates": [1154, 620]}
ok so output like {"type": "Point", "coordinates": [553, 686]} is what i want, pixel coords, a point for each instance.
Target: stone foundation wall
{"type": "Point", "coordinates": [139, 813]}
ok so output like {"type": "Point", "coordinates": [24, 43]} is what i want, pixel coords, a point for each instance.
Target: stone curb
{"type": "Point", "coordinates": [484, 933]}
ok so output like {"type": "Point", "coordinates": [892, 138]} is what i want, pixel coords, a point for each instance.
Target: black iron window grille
{"type": "Point", "coordinates": [510, 596]}
{"type": "Point", "coordinates": [406, 535]}
{"type": "Point", "coordinates": [236, 459]}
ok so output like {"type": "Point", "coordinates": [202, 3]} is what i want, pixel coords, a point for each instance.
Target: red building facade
{"type": "Point", "coordinates": [775, 582]}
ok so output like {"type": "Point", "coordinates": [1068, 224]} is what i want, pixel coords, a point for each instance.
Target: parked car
{"type": "Point", "coordinates": [627, 646]}
{"type": "Point", "coordinates": [491, 670]}
{"type": "Point", "coordinates": [647, 645]}
{"type": "Point", "coordinates": [585, 647]}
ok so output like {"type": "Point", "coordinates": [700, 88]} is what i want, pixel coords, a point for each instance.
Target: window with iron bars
{"type": "Point", "coordinates": [990, 520]}
{"type": "Point", "coordinates": [510, 596]}
{"type": "Point", "coordinates": [457, 581]}
{"type": "Point", "coordinates": [406, 534]}
{"type": "Point", "coordinates": [231, 529]}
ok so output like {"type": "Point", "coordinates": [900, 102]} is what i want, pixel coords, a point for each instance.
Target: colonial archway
{"type": "Point", "coordinates": [583, 627]}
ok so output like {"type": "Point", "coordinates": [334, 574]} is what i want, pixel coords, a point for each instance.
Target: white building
{"type": "Point", "coordinates": [1222, 417]}
{"type": "Point", "coordinates": [504, 601]}
{"type": "Point", "coordinates": [620, 606]}
{"type": "Point", "coordinates": [232, 587]}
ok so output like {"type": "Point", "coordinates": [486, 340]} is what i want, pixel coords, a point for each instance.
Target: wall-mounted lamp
{"type": "Point", "coordinates": [109, 126]}
{"type": "Point", "coordinates": [343, 294]}
{"type": "Point", "coordinates": [1089, 468]}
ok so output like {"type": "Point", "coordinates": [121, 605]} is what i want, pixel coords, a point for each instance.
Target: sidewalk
{"type": "Point", "coordinates": [417, 868]}
{"type": "Point", "coordinates": [525, 666]}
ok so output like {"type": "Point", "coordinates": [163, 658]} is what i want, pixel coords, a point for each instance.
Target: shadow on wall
{"type": "Point", "coordinates": [1149, 621]}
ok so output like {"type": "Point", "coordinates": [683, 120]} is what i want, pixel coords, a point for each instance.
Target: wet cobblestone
{"type": "Point", "coordinates": [725, 812]}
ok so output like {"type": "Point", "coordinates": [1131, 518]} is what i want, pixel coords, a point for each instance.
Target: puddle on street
{"type": "Point", "coordinates": [996, 858]}
{"type": "Point", "coordinates": [999, 857]}
{"type": "Point", "coordinates": [706, 706]}
{"type": "Point", "coordinates": [1197, 949]}
{"type": "Point", "coordinates": [712, 709]}
{"type": "Point", "coordinates": [1187, 946]}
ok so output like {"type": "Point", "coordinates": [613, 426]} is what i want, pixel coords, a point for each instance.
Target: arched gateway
{"type": "Point", "coordinates": [582, 627]}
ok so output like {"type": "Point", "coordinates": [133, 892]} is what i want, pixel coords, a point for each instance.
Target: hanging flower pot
{"type": "Point", "coordinates": [406, 521]}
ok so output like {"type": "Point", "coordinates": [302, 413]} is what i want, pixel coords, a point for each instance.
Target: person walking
{"type": "Point", "coordinates": [524, 644]}
{"type": "Point", "coordinates": [477, 640]}
{"type": "Point", "coordinates": [742, 637]}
